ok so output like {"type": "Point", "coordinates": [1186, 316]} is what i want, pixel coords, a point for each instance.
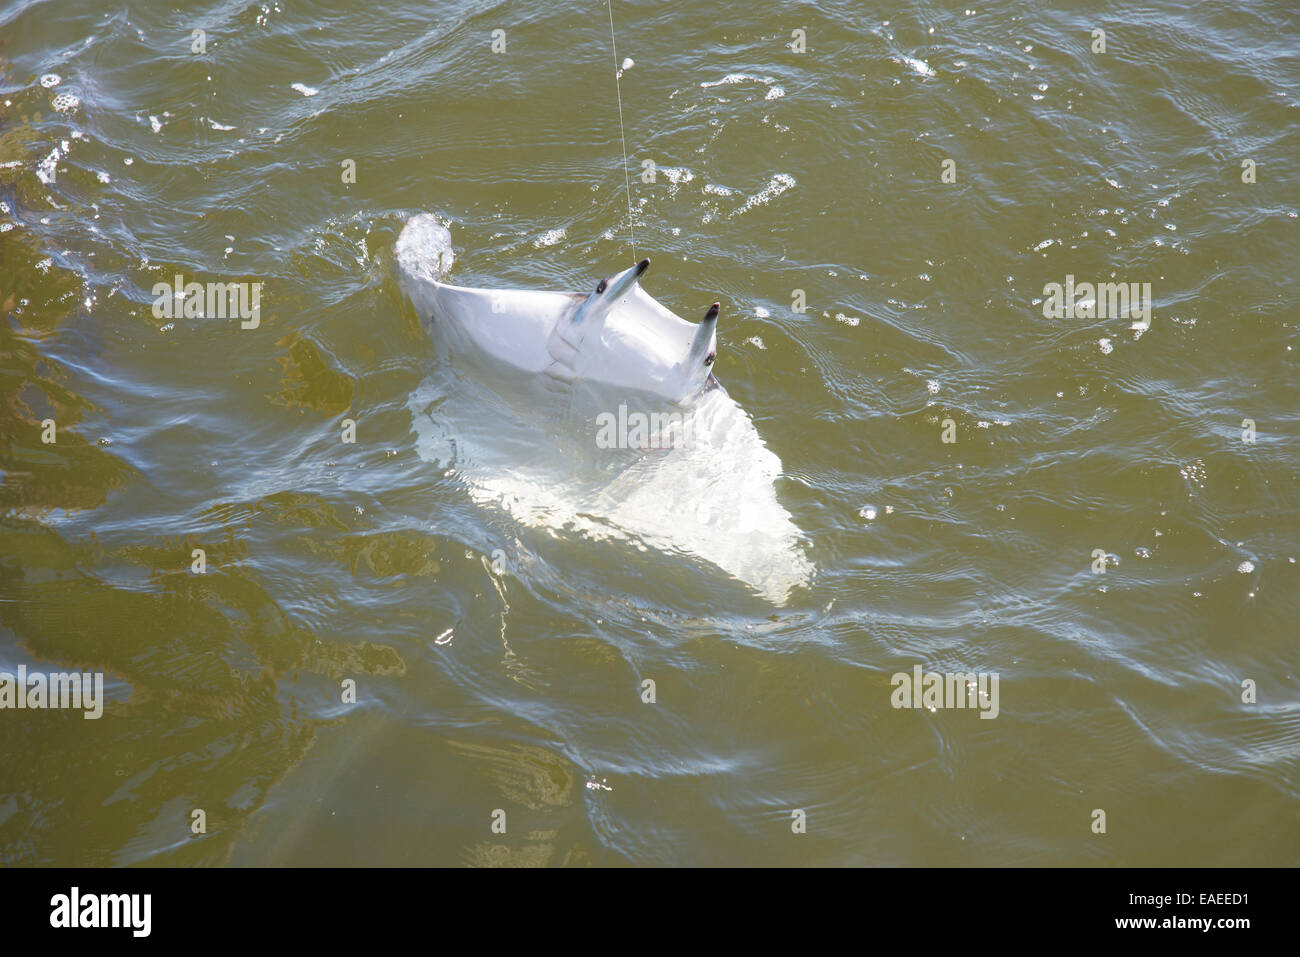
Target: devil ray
{"type": "Point", "coordinates": [524, 378]}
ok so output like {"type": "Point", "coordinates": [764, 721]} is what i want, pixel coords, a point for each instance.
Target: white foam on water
{"type": "Point", "coordinates": [46, 170]}
{"type": "Point", "coordinates": [775, 187]}
{"type": "Point", "coordinates": [733, 78]}
{"type": "Point", "coordinates": [550, 238]}
{"type": "Point", "coordinates": [919, 66]}
{"type": "Point", "coordinates": [775, 90]}
{"type": "Point", "coordinates": [676, 176]}
{"type": "Point", "coordinates": [304, 89]}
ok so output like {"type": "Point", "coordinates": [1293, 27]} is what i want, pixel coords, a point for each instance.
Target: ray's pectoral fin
{"type": "Point", "coordinates": [703, 349]}
{"type": "Point", "coordinates": [611, 289]}
{"type": "Point", "coordinates": [698, 364]}
{"type": "Point", "coordinates": [566, 339]}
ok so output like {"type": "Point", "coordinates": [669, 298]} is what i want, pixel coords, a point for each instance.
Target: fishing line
{"type": "Point", "coordinates": [618, 92]}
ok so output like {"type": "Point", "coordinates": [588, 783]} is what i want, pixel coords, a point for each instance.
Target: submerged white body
{"type": "Point", "coordinates": [713, 498]}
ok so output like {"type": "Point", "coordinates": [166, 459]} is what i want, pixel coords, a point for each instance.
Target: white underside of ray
{"type": "Point", "coordinates": [641, 345]}
{"type": "Point", "coordinates": [713, 498]}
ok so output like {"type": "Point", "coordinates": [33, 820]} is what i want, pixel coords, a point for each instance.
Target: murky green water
{"type": "Point", "coordinates": [126, 159]}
